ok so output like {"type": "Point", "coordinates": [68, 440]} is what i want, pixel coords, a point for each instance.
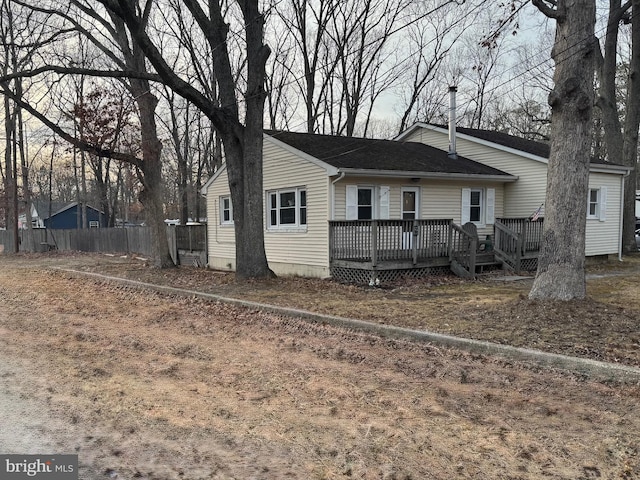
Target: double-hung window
{"type": "Point", "coordinates": [597, 204]}
{"type": "Point", "coordinates": [478, 206]}
{"type": "Point", "coordinates": [287, 208]}
{"type": "Point", "coordinates": [367, 202]}
{"type": "Point", "coordinates": [475, 206]}
{"type": "Point", "coordinates": [226, 211]}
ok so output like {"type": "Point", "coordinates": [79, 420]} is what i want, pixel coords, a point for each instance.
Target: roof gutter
{"type": "Point", "coordinates": [426, 175]}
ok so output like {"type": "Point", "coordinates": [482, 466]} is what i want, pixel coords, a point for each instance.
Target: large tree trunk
{"type": "Point", "coordinates": [631, 125]}
{"type": "Point", "coordinates": [560, 272]}
{"type": "Point", "coordinates": [251, 259]}
{"type": "Point", "coordinates": [151, 195]}
{"type": "Point", "coordinates": [243, 147]}
{"type": "Point", "coordinates": [10, 186]}
{"type": "Point", "coordinates": [622, 142]}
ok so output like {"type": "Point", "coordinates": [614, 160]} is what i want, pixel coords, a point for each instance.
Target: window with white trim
{"type": "Point", "coordinates": [367, 202]}
{"type": "Point", "coordinates": [597, 204]}
{"type": "Point", "coordinates": [478, 206]}
{"type": "Point", "coordinates": [226, 211]}
{"type": "Point", "coordinates": [287, 208]}
{"type": "Point", "coordinates": [475, 206]}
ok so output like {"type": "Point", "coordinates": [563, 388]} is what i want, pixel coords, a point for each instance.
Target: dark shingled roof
{"type": "Point", "coordinates": [373, 154]}
{"type": "Point", "coordinates": [529, 146]}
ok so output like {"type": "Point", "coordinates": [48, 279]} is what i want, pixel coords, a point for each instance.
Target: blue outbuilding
{"type": "Point", "coordinates": [67, 217]}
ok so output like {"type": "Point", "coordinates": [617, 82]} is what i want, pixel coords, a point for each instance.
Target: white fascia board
{"type": "Point", "coordinates": [410, 130]}
{"type": "Point", "coordinates": [608, 168]}
{"type": "Point", "coordinates": [427, 175]}
{"type": "Point", "coordinates": [330, 169]}
{"type": "Point", "coordinates": [206, 186]}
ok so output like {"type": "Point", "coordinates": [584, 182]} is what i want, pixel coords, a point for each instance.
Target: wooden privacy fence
{"type": "Point", "coordinates": [187, 243]}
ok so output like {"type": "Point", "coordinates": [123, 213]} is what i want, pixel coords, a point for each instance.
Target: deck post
{"type": "Point", "coordinates": [374, 243]}
{"type": "Point", "coordinates": [415, 231]}
{"type": "Point", "coordinates": [473, 252]}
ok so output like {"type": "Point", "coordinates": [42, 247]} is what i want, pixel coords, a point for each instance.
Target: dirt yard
{"type": "Point", "coordinates": [142, 385]}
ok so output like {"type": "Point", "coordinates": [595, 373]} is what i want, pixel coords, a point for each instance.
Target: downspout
{"type": "Point", "coordinates": [621, 215]}
{"type": "Point", "coordinates": [452, 122]}
{"type": "Point", "coordinates": [333, 217]}
{"type": "Point", "coordinates": [333, 195]}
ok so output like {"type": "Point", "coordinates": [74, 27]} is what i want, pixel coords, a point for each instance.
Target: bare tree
{"type": "Point", "coordinates": [429, 42]}
{"type": "Point", "coordinates": [560, 272]}
{"type": "Point", "coordinates": [308, 21]}
{"type": "Point", "coordinates": [240, 134]}
{"type": "Point", "coordinates": [361, 35]}
{"type": "Point", "coordinates": [110, 35]}
{"type": "Point", "coordinates": [19, 40]}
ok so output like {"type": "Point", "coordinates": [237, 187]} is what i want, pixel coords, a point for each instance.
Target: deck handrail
{"type": "Point", "coordinates": [508, 245]}
{"type": "Point", "coordinates": [464, 247]}
{"type": "Point", "coordinates": [515, 238]}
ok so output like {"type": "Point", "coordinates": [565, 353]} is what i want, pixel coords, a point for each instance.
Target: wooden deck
{"type": "Point", "coordinates": [370, 249]}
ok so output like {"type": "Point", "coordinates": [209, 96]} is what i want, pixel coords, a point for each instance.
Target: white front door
{"type": "Point", "coordinates": [410, 203]}
{"type": "Point", "coordinates": [410, 211]}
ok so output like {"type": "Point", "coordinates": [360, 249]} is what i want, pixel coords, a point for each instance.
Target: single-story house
{"type": "Point", "coordinates": [67, 217]}
{"type": "Point", "coordinates": [367, 210]}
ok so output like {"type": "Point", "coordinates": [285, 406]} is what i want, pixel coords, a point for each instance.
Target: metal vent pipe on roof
{"type": "Point", "coordinates": [452, 122]}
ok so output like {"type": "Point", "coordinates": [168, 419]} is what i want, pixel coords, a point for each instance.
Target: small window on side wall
{"type": "Point", "coordinates": [597, 204]}
{"type": "Point", "coordinates": [226, 211]}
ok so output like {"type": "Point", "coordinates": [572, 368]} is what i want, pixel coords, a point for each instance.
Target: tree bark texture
{"type": "Point", "coordinates": [621, 138]}
{"type": "Point", "coordinates": [243, 144]}
{"type": "Point", "coordinates": [152, 184]}
{"type": "Point", "coordinates": [560, 272]}
{"type": "Point", "coordinates": [631, 125]}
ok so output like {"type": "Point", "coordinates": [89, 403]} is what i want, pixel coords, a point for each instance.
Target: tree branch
{"type": "Point", "coordinates": [222, 122]}
{"type": "Point", "coordinates": [546, 7]}
{"type": "Point", "coordinates": [81, 71]}
{"type": "Point", "coordinates": [104, 153]}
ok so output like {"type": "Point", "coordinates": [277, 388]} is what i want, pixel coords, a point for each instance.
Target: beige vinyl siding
{"type": "Point", "coordinates": [304, 251]}
{"type": "Point", "coordinates": [602, 236]}
{"type": "Point", "coordinates": [524, 196]}
{"type": "Point", "coordinates": [296, 251]}
{"type": "Point", "coordinates": [220, 238]}
{"type": "Point", "coordinates": [438, 199]}
{"type": "Point", "coordinates": [521, 198]}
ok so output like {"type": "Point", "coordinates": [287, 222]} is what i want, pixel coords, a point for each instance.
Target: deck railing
{"type": "Point", "coordinates": [517, 238]}
{"type": "Point", "coordinates": [464, 249]}
{"type": "Point", "coordinates": [378, 241]}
